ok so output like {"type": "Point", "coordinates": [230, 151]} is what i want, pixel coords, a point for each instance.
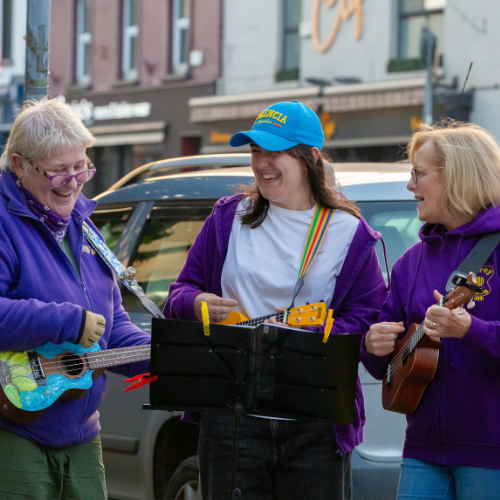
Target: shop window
{"type": "Point", "coordinates": [180, 35]}
{"type": "Point", "coordinates": [83, 42]}
{"type": "Point", "coordinates": [290, 57]}
{"type": "Point", "coordinates": [413, 16]}
{"type": "Point", "coordinates": [6, 13]}
{"type": "Point", "coordinates": [130, 37]}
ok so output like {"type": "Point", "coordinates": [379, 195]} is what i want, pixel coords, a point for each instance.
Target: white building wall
{"type": "Point", "coordinates": [251, 45]}
{"type": "Point", "coordinates": [366, 58]}
{"type": "Point", "coordinates": [19, 8]}
{"type": "Point", "coordinates": [472, 35]}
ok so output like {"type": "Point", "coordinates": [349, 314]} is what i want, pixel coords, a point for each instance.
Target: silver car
{"type": "Point", "coordinates": [150, 219]}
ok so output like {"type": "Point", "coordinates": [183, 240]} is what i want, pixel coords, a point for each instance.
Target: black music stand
{"type": "Point", "coordinates": [269, 370]}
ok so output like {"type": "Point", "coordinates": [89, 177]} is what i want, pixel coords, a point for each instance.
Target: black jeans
{"type": "Point", "coordinates": [278, 460]}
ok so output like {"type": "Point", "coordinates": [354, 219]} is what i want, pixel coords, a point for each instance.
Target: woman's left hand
{"type": "Point", "coordinates": [273, 320]}
{"type": "Point", "coordinates": [444, 322]}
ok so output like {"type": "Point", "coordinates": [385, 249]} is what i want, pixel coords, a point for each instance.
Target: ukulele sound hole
{"type": "Point", "coordinates": [71, 364]}
{"type": "Point", "coordinates": [405, 359]}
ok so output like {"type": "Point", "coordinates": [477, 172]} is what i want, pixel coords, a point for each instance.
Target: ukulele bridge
{"type": "Point", "coordinates": [37, 368]}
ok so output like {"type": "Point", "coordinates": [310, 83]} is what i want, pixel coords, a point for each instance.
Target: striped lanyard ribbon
{"type": "Point", "coordinates": [317, 230]}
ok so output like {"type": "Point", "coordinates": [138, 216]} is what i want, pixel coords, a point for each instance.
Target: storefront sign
{"type": "Point", "coordinates": [219, 138]}
{"type": "Point", "coordinates": [345, 10]}
{"type": "Point", "coordinates": [86, 110]}
{"type": "Point", "coordinates": [328, 125]}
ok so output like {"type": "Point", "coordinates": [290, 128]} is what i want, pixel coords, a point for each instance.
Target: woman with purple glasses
{"type": "Point", "coordinates": [53, 291]}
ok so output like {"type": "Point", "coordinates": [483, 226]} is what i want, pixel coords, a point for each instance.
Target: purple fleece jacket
{"type": "Point", "coordinates": [359, 292]}
{"type": "Point", "coordinates": [41, 300]}
{"type": "Point", "coordinates": [457, 421]}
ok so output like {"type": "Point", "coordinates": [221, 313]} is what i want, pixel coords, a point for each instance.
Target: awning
{"type": "Point", "coordinates": [357, 97]}
{"type": "Point", "coordinates": [133, 133]}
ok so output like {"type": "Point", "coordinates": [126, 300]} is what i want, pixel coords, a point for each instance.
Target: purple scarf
{"type": "Point", "coordinates": [58, 225]}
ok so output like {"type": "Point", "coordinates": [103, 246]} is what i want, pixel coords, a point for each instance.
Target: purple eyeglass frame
{"type": "Point", "coordinates": [91, 170]}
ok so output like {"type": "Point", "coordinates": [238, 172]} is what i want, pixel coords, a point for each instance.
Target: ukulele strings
{"type": "Point", "coordinates": [279, 315]}
{"type": "Point", "coordinates": [398, 360]}
{"type": "Point", "coordinates": [95, 355]}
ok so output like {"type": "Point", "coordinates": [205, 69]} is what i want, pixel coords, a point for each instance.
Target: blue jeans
{"type": "Point", "coordinates": [425, 481]}
{"type": "Point", "coordinates": [278, 460]}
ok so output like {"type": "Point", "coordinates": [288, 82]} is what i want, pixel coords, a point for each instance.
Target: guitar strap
{"type": "Point", "coordinates": [125, 275]}
{"type": "Point", "coordinates": [477, 258]}
{"type": "Point", "coordinates": [317, 230]}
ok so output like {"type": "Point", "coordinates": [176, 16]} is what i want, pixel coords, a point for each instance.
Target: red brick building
{"type": "Point", "coordinates": [128, 68]}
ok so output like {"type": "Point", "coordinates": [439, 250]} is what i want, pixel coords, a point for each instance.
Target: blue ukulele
{"type": "Point", "coordinates": [31, 381]}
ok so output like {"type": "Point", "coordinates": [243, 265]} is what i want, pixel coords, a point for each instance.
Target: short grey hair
{"type": "Point", "coordinates": [41, 130]}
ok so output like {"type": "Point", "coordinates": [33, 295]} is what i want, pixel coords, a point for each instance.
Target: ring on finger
{"type": "Point", "coordinates": [216, 311]}
{"type": "Point", "coordinates": [432, 325]}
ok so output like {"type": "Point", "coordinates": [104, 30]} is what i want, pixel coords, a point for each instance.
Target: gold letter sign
{"type": "Point", "coordinates": [346, 8]}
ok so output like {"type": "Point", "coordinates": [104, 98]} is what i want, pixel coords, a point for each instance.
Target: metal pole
{"type": "Point", "coordinates": [37, 49]}
{"type": "Point", "coordinates": [429, 60]}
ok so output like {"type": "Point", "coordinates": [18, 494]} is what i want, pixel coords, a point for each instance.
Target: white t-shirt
{"type": "Point", "coordinates": [262, 264]}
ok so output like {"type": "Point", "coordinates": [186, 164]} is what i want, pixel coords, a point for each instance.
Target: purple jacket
{"type": "Point", "coordinates": [457, 421]}
{"type": "Point", "coordinates": [41, 300]}
{"type": "Point", "coordinates": [359, 292]}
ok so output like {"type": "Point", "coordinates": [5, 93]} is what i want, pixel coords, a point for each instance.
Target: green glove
{"type": "Point", "coordinates": [93, 329]}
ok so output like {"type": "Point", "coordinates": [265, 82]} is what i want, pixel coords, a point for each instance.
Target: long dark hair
{"type": "Point", "coordinates": [325, 193]}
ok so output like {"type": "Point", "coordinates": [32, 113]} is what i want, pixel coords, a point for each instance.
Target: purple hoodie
{"type": "Point", "coordinates": [41, 300]}
{"type": "Point", "coordinates": [359, 292]}
{"type": "Point", "coordinates": [457, 422]}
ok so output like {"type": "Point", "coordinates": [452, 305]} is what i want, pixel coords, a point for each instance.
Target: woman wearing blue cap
{"type": "Point", "coordinates": [247, 258]}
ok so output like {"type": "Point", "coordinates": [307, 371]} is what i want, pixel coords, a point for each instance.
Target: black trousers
{"type": "Point", "coordinates": [278, 460]}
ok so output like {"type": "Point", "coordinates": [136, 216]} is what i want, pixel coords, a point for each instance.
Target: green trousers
{"type": "Point", "coordinates": [30, 471]}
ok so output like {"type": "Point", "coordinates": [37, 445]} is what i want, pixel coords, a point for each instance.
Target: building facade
{"type": "Point", "coordinates": [128, 68]}
{"type": "Point", "coordinates": [12, 62]}
{"type": "Point", "coordinates": [358, 64]}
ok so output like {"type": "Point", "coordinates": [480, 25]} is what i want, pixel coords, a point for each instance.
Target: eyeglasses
{"type": "Point", "coordinates": [416, 173]}
{"type": "Point", "coordinates": [59, 180]}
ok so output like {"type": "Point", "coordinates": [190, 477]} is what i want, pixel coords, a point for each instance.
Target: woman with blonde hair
{"type": "Point", "coordinates": [452, 445]}
{"type": "Point", "coordinates": [52, 291]}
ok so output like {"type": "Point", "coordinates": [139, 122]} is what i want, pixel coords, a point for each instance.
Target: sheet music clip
{"type": "Point", "coordinates": [143, 379]}
{"type": "Point", "coordinates": [205, 318]}
{"type": "Point", "coordinates": [328, 326]}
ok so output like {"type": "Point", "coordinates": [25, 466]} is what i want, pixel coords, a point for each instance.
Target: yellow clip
{"type": "Point", "coordinates": [205, 318]}
{"type": "Point", "coordinates": [328, 326]}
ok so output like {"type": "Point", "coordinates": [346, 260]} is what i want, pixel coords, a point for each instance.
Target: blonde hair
{"type": "Point", "coordinates": [470, 161]}
{"type": "Point", "coordinates": [41, 130]}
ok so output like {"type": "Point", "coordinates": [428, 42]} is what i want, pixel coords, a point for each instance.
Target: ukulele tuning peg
{"type": "Point", "coordinates": [471, 304]}
{"type": "Point", "coordinates": [307, 303]}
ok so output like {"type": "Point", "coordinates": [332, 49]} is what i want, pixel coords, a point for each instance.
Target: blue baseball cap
{"type": "Point", "coordinates": [283, 126]}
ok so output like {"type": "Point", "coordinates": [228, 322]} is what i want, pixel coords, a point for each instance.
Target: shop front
{"type": "Point", "coordinates": [134, 126]}
{"type": "Point", "coordinates": [361, 122]}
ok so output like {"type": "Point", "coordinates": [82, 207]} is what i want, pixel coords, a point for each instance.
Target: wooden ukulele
{"type": "Point", "coordinates": [308, 315]}
{"type": "Point", "coordinates": [31, 381]}
{"type": "Point", "coordinates": [415, 357]}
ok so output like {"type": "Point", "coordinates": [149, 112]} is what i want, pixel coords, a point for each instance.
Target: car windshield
{"type": "Point", "coordinates": [111, 223]}
{"type": "Point", "coordinates": [162, 251]}
{"type": "Point", "coordinates": [397, 222]}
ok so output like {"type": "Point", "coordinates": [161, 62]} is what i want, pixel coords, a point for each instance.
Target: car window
{"type": "Point", "coordinates": [398, 223]}
{"type": "Point", "coordinates": [168, 235]}
{"type": "Point", "coordinates": [111, 223]}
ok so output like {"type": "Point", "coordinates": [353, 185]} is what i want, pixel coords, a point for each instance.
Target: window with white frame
{"type": "Point", "coordinates": [415, 15]}
{"type": "Point", "coordinates": [130, 35]}
{"type": "Point", "coordinates": [291, 41]}
{"type": "Point", "coordinates": [180, 36]}
{"type": "Point", "coordinates": [83, 42]}
{"type": "Point", "coordinates": [6, 24]}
